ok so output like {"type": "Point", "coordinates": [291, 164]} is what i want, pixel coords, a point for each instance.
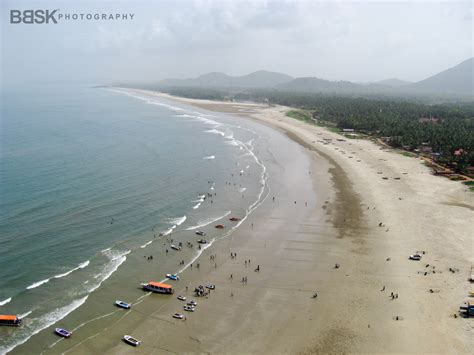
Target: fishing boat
{"type": "Point", "coordinates": [178, 316]}
{"type": "Point", "coordinates": [62, 332]}
{"type": "Point", "coordinates": [202, 241]}
{"type": "Point", "coordinates": [10, 320]}
{"type": "Point", "coordinates": [123, 304]}
{"type": "Point", "coordinates": [175, 247]}
{"type": "Point", "coordinates": [131, 340]}
{"type": "Point", "coordinates": [158, 287]}
{"type": "Point", "coordinates": [219, 226]}
{"type": "Point", "coordinates": [201, 233]}
{"type": "Point", "coordinates": [181, 298]}
{"type": "Point", "coordinates": [234, 219]}
{"type": "Point", "coordinates": [172, 277]}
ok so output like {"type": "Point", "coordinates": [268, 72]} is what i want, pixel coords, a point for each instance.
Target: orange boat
{"type": "Point", "coordinates": [219, 226]}
{"type": "Point", "coordinates": [158, 287]}
{"type": "Point", "coordinates": [10, 320]}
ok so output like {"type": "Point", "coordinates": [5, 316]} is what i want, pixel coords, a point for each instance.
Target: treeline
{"type": "Point", "coordinates": [450, 130]}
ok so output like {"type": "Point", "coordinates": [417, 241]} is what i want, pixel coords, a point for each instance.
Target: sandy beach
{"type": "Point", "coordinates": [337, 201]}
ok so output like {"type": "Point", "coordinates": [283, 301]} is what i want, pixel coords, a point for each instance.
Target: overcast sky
{"type": "Point", "coordinates": [335, 40]}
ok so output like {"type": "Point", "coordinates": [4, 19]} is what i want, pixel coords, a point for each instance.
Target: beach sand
{"type": "Point", "coordinates": [341, 198]}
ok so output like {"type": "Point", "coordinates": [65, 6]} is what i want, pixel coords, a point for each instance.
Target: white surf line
{"type": "Point", "coordinates": [25, 314]}
{"type": "Point", "coordinates": [207, 222]}
{"type": "Point", "coordinates": [146, 244]}
{"type": "Point", "coordinates": [81, 266]}
{"type": "Point", "coordinates": [5, 301]}
{"type": "Point", "coordinates": [37, 284]}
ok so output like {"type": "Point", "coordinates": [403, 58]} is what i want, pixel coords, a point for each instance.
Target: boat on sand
{"type": "Point", "coordinates": [63, 332]}
{"type": "Point", "coordinates": [416, 257]}
{"type": "Point", "coordinates": [131, 340]}
{"type": "Point", "coordinates": [158, 287]}
{"type": "Point", "coordinates": [122, 304]}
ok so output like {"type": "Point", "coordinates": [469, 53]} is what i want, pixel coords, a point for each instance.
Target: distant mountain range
{"type": "Point", "coordinates": [258, 79]}
{"type": "Point", "coordinates": [454, 81]}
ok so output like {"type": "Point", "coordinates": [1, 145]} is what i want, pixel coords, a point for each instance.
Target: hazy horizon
{"type": "Point", "coordinates": [352, 40]}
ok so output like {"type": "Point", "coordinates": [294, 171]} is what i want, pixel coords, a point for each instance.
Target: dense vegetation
{"type": "Point", "coordinates": [399, 120]}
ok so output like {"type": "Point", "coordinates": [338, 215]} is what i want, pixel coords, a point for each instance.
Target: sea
{"type": "Point", "coordinates": [96, 181]}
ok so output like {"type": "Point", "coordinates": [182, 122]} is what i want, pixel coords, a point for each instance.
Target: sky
{"type": "Point", "coordinates": [357, 41]}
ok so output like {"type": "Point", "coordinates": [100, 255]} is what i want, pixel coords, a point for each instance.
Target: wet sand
{"type": "Point", "coordinates": [341, 198]}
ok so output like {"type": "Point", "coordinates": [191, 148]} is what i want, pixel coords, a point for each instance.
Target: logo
{"type": "Point", "coordinates": [40, 17]}
{"type": "Point", "coordinates": [33, 16]}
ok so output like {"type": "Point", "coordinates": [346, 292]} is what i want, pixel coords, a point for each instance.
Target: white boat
{"type": "Point", "coordinates": [178, 316]}
{"type": "Point", "coordinates": [188, 308]}
{"type": "Point", "coordinates": [181, 298]}
{"type": "Point", "coordinates": [172, 246]}
{"type": "Point", "coordinates": [416, 257]}
{"type": "Point", "coordinates": [131, 340]}
{"type": "Point", "coordinates": [123, 304]}
{"type": "Point", "coordinates": [172, 277]}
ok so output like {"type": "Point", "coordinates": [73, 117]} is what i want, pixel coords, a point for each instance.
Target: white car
{"type": "Point", "coordinates": [178, 316]}
{"type": "Point", "coordinates": [416, 257]}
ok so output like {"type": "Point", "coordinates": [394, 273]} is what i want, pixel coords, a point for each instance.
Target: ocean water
{"type": "Point", "coordinates": [93, 180]}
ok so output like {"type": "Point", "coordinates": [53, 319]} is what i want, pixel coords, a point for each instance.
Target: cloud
{"type": "Point", "coordinates": [351, 40]}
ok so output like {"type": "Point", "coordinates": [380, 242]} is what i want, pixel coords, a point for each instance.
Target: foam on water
{"type": "Point", "coordinates": [216, 131]}
{"type": "Point", "coordinates": [116, 258]}
{"type": "Point", "coordinates": [146, 244]}
{"type": "Point", "coordinates": [37, 284]}
{"type": "Point", "coordinates": [210, 157]}
{"type": "Point", "coordinates": [4, 302]}
{"type": "Point", "coordinates": [23, 315]}
{"type": "Point", "coordinates": [81, 266]}
{"type": "Point", "coordinates": [178, 221]}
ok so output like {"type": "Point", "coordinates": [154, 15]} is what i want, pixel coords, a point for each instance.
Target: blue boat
{"type": "Point", "coordinates": [63, 332]}
{"type": "Point", "coordinates": [123, 304]}
{"type": "Point", "coordinates": [172, 277]}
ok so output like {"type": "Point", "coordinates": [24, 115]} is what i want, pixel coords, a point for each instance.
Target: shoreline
{"type": "Point", "coordinates": [418, 211]}
{"type": "Point", "coordinates": [297, 247]}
